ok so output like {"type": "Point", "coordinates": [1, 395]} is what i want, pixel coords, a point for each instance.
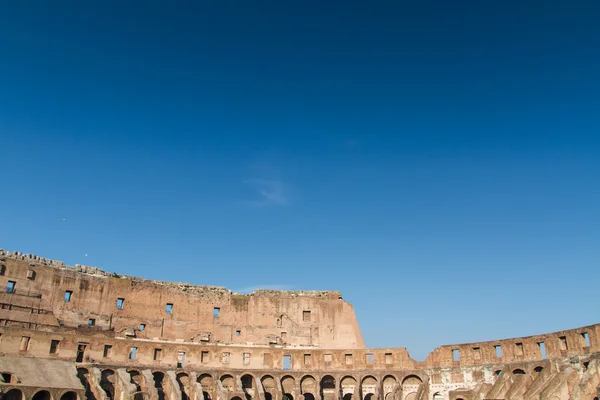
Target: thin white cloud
{"type": "Point", "coordinates": [250, 289]}
{"type": "Point", "coordinates": [269, 193]}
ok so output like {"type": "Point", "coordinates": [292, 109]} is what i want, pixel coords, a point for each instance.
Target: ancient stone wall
{"type": "Point", "coordinates": [64, 335]}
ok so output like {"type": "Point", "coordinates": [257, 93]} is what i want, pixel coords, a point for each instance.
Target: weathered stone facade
{"type": "Point", "coordinates": [81, 333]}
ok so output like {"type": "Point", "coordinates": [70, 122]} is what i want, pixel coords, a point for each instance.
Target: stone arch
{"type": "Point", "coordinates": [308, 384]}
{"type": "Point", "coordinates": [228, 382]}
{"type": "Point", "coordinates": [137, 379]}
{"type": "Point", "coordinates": [438, 396]}
{"type": "Point", "coordinates": [107, 383]}
{"type": "Point", "coordinates": [208, 385]}
{"type": "Point", "coordinates": [536, 370]}
{"type": "Point", "coordinates": [411, 396]}
{"type": "Point", "coordinates": [70, 395]}
{"type": "Point", "coordinates": [348, 386]}
{"type": "Point", "coordinates": [83, 375]}
{"type": "Point", "coordinates": [183, 380]}
{"type": "Point", "coordinates": [159, 384]}
{"type": "Point", "coordinates": [13, 394]}
{"type": "Point", "coordinates": [327, 388]}
{"type": "Point", "coordinates": [236, 398]}
{"type": "Point", "coordinates": [248, 386]}
{"type": "Point", "coordinates": [288, 384]}
{"type": "Point", "coordinates": [411, 384]}
{"type": "Point", "coordinates": [388, 383]}
{"type": "Point", "coordinates": [269, 386]}
{"type": "Point", "coordinates": [42, 395]}
{"type": "Point", "coordinates": [368, 386]}
{"type": "Point", "coordinates": [518, 371]}
{"type": "Point", "coordinates": [498, 372]}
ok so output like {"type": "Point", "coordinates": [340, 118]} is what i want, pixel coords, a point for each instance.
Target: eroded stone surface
{"type": "Point", "coordinates": [80, 332]}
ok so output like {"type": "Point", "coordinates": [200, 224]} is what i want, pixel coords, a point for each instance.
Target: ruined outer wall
{"type": "Point", "coordinates": [304, 318]}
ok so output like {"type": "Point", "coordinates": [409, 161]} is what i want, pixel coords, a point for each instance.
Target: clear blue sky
{"type": "Point", "coordinates": [438, 162]}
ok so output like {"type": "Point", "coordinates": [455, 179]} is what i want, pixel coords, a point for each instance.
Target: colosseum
{"type": "Point", "coordinates": [74, 333]}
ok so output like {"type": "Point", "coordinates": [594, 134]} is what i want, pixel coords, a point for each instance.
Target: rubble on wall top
{"type": "Point", "coordinates": [185, 287]}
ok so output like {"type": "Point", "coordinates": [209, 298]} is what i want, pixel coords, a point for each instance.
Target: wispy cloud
{"type": "Point", "coordinates": [269, 192]}
{"type": "Point", "coordinates": [250, 289]}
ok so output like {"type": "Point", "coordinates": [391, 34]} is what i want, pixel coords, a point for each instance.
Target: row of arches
{"type": "Point", "coordinates": [17, 394]}
{"type": "Point", "coordinates": [349, 388]}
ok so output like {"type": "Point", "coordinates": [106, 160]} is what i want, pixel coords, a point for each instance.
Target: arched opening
{"type": "Point", "coordinates": [328, 388]}
{"type": "Point", "coordinates": [42, 395]}
{"type": "Point", "coordinates": [368, 387]}
{"type": "Point", "coordinates": [107, 383]}
{"type": "Point", "coordinates": [228, 383]}
{"type": "Point", "coordinates": [410, 385]}
{"type": "Point", "coordinates": [69, 396]}
{"type": "Point", "coordinates": [518, 371]}
{"type": "Point", "coordinates": [309, 396]}
{"type": "Point", "coordinates": [308, 384]}
{"type": "Point", "coordinates": [538, 369]}
{"type": "Point", "coordinates": [498, 372]}
{"type": "Point", "coordinates": [287, 385]}
{"type": "Point", "coordinates": [13, 394]}
{"type": "Point", "coordinates": [347, 387]}
{"type": "Point", "coordinates": [438, 396]}
{"type": "Point", "coordinates": [236, 398]}
{"type": "Point", "coordinates": [183, 380]}
{"type": "Point", "coordinates": [159, 379]}
{"type": "Point", "coordinates": [389, 384]}
{"type": "Point", "coordinates": [269, 386]}
{"type": "Point", "coordinates": [206, 381]}
{"type": "Point", "coordinates": [137, 379]}
{"type": "Point", "coordinates": [83, 375]}
{"type": "Point", "coordinates": [248, 386]}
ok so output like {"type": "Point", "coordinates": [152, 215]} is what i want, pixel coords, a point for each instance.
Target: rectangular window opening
{"type": "Point", "coordinates": [180, 359]}
{"type": "Point", "coordinates": [498, 349]}
{"type": "Point", "coordinates": [54, 346]}
{"type": "Point", "coordinates": [25, 343]}
{"type": "Point", "coordinates": [31, 275]}
{"type": "Point", "coordinates": [305, 315]}
{"type": "Point", "coordinates": [91, 321]}
{"type": "Point", "coordinates": [287, 363]}
{"type": "Point", "coordinates": [389, 358]}
{"type": "Point", "coordinates": [455, 354]}
{"type": "Point", "coordinates": [327, 358]}
{"type": "Point", "coordinates": [80, 352]}
{"type": "Point", "coordinates": [10, 286]}
{"type": "Point", "coordinates": [169, 308]}
{"type": "Point", "coordinates": [238, 333]}
{"type": "Point", "coordinates": [307, 359]}
{"type": "Point", "coordinates": [348, 359]}
{"type": "Point", "coordinates": [246, 358]}
{"type": "Point", "coordinates": [225, 357]}
{"type": "Point", "coordinates": [157, 354]}
{"type": "Point", "coordinates": [216, 312]}
{"type": "Point", "coordinates": [133, 353]}
{"type": "Point", "coordinates": [563, 343]}
{"type": "Point", "coordinates": [204, 356]}
{"type": "Point", "coordinates": [120, 303]}
{"type": "Point", "coordinates": [369, 358]}
{"type": "Point", "coordinates": [586, 338]}
{"type": "Point", "coordinates": [142, 327]}
{"type": "Point", "coordinates": [107, 351]}
{"type": "Point", "coordinates": [542, 347]}
{"type": "Point", "coordinates": [519, 349]}
{"type": "Point", "coordinates": [68, 295]}
{"type": "Point", "coordinates": [476, 353]}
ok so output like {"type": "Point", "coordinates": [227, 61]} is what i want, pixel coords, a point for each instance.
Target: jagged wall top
{"type": "Point", "coordinates": [86, 269]}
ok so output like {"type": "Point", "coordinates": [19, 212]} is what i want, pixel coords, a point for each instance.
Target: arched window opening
{"type": "Point", "coordinates": [42, 395]}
